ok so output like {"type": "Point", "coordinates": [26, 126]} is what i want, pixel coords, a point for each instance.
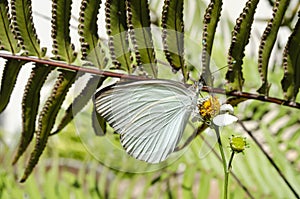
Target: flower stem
{"type": "Point", "coordinates": [227, 174]}
{"type": "Point", "coordinates": [223, 161]}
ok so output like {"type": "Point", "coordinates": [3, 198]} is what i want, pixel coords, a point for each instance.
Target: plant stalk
{"type": "Point", "coordinates": [223, 161]}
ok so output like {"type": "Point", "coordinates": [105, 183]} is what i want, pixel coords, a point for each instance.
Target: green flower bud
{"type": "Point", "coordinates": [238, 143]}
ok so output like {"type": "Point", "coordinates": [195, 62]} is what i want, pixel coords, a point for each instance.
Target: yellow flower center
{"type": "Point", "coordinates": [209, 108]}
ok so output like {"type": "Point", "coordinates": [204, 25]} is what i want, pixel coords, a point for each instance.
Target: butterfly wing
{"type": "Point", "coordinates": [150, 115]}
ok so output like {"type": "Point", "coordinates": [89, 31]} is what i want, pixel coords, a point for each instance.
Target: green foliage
{"type": "Point", "coordinates": [30, 104]}
{"type": "Point", "coordinates": [139, 26]}
{"type": "Point", "coordinates": [173, 38]}
{"type": "Point", "coordinates": [79, 102]}
{"type": "Point", "coordinates": [211, 19]}
{"type": "Point", "coordinates": [62, 47]}
{"type": "Point", "coordinates": [91, 45]}
{"type": "Point", "coordinates": [48, 116]}
{"type": "Point", "coordinates": [117, 29]}
{"type": "Point", "coordinates": [267, 42]}
{"type": "Point", "coordinates": [10, 74]}
{"type": "Point", "coordinates": [291, 81]}
{"type": "Point", "coordinates": [12, 67]}
{"type": "Point", "coordinates": [128, 27]}
{"type": "Point", "coordinates": [23, 28]}
{"type": "Point", "coordinates": [240, 38]}
{"type": "Point", "coordinates": [7, 40]}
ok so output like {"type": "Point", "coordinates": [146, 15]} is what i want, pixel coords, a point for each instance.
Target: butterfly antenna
{"type": "Point", "coordinates": [220, 69]}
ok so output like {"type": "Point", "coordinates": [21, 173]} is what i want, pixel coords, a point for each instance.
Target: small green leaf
{"type": "Point", "coordinates": [47, 118]}
{"type": "Point", "coordinates": [30, 104]}
{"type": "Point", "coordinates": [9, 78]}
{"type": "Point", "coordinates": [291, 64]}
{"type": "Point", "coordinates": [240, 38]}
{"type": "Point", "coordinates": [24, 29]}
{"type": "Point", "coordinates": [63, 49]}
{"type": "Point", "coordinates": [140, 31]}
{"type": "Point", "coordinates": [173, 34]}
{"type": "Point", "coordinates": [7, 40]}
{"type": "Point", "coordinates": [267, 42]}
{"type": "Point", "coordinates": [211, 19]}
{"type": "Point", "coordinates": [116, 25]}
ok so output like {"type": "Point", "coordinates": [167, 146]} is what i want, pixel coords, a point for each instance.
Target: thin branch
{"type": "Point", "coordinates": [63, 65]}
{"type": "Point", "coordinates": [134, 77]}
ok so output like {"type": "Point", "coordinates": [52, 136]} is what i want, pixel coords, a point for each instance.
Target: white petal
{"type": "Point", "coordinates": [226, 108]}
{"type": "Point", "coordinates": [224, 119]}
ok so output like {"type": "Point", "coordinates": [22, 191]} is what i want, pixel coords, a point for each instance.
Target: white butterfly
{"type": "Point", "coordinates": [150, 115]}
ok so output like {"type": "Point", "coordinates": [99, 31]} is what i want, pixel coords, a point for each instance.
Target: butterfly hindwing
{"type": "Point", "coordinates": [150, 115]}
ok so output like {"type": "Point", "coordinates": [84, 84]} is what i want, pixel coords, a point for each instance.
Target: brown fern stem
{"type": "Point", "coordinates": [95, 71]}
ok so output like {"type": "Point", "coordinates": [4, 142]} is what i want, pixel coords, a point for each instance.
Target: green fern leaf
{"type": "Point", "coordinates": [140, 31]}
{"type": "Point", "coordinates": [9, 78]}
{"type": "Point", "coordinates": [80, 101]}
{"type": "Point", "coordinates": [87, 28]}
{"type": "Point", "coordinates": [173, 34]}
{"type": "Point", "coordinates": [291, 64]}
{"type": "Point", "coordinates": [30, 104]}
{"type": "Point", "coordinates": [47, 118]}
{"type": "Point", "coordinates": [24, 28]}
{"type": "Point", "coordinates": [91, 45]}
{"type": "Point", "coordinates": [240, 38]}
{"type": "Point", "coordinates": [267, 42]}
{"type": "Point", "coordinates": [7, 40]}
{"type": "Point", "coordinates": [211, 19]}
{"type": "Point", "coordinates": [116, 25]}
{"type": "Point", "coordinates": [63, 49]}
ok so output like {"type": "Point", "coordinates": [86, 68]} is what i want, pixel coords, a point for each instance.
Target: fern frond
{"type": "Point", "coordinates": [117, 30]}
{"type": "Point", "coordinates": [8, 81]}
{"type": "Point", "coordinates": [211, 19]}
{"type": "Point", "coordinates": [87, 28]}
{"type": "Point", "coordinates": [140, 32]}
{"type": "Point", "coordinates": [47, 118]}
{"type": "Point", "coordinates": [267, 42]}
{"type": "Point", "coordinates": [30, 104]}
{"type": "Point", "coordinates": [63, 49]}
{"type": "Point", "coordinates": [240, 38]}
{"type": "Point", "coordinates": [91, 46]}
{"type": "Point", "coordinates": [173, 34]}
{"type": "Point", "coordinates": [12, 67]}
{"type": "Point", "coordinates": [7, 40]}
{"type": "Point", "coordinates": [24, 29]}
{"type": "Point", "coordinates": [80, 101]}
{"type": "Point", "coordinates": [291, 62]}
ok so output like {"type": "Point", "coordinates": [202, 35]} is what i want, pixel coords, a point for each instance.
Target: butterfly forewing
{"type": "Point", "coordinates": [150, 115]}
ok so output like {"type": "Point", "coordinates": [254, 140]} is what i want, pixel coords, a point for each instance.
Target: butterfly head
{"type": "Point", "coordinates": [208, 108]}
